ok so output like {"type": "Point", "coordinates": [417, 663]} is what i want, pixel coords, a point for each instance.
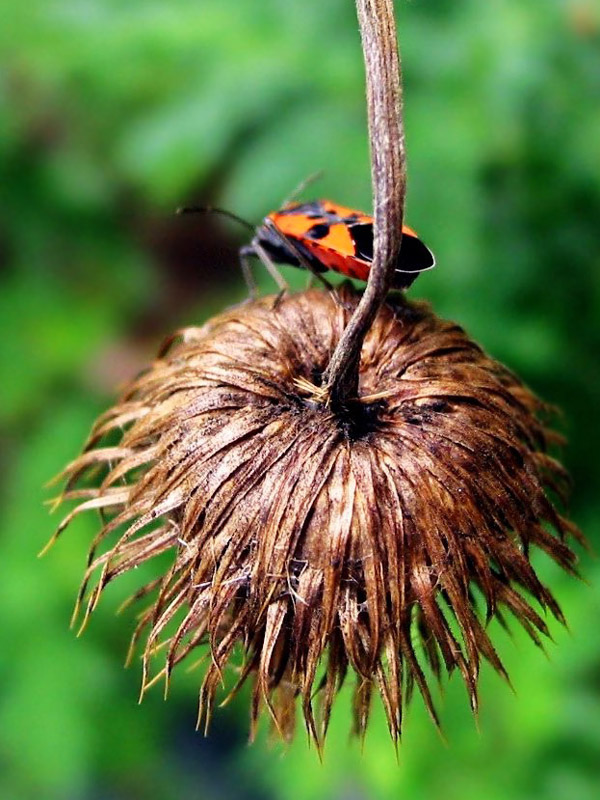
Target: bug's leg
{"type": "Point", "coordinates": [245, 254]}
{"type": "Point", "coordinates": [306, 264]}
{"type": "Point", "coordinates": [323, 281]}
{"type": "Point", "coordinates": [311, 281]}
{"type": "Point", "coordinates": [270, 265]}
{"type": "Point", "coordinates": [300, 257]}
{"type": "Point", "coordinates": [278, 299]}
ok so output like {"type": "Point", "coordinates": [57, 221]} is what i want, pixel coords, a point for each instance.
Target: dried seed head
{"type": "Point", "coordinates": [378, 539]}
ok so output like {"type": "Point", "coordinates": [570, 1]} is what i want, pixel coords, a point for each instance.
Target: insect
{"type": "Point", "coordinates": [322, 235]}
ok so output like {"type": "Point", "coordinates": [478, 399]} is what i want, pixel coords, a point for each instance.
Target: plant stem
{"type": "Point", "coordinates": [388, 177]}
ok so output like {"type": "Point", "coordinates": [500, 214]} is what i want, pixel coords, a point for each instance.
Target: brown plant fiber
{"type": "Point", "coordinates": [377, 540]}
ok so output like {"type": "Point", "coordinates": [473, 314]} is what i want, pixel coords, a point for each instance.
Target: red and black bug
{"type": "Point", "coordinates": [321, 236]}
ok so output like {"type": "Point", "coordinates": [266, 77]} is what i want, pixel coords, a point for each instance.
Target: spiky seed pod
{"type": "Point", "coordinates": [324, 542]}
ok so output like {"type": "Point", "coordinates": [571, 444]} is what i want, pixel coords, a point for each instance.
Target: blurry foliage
{"type": "Point", "coordinates": [111, 115]}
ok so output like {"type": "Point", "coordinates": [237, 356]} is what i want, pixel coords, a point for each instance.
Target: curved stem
{"type": "Point", "coordinates": [388, 177]}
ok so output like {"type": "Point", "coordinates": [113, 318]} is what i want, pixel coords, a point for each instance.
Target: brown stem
{"type": "Point", "coordinates": [388, 177]}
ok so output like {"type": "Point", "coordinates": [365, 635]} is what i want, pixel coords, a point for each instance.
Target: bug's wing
{"type": "Point", "coordinates": [414, 255]}
{"type": "Point", "coordinates": [362, 236]}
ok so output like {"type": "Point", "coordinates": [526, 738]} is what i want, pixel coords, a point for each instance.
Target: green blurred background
{"type": "Point", "coordinates": [111, 115]}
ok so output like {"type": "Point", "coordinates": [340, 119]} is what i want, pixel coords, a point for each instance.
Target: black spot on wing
{"type": "Point", "coordinates": [318, 231]}
{"type": "Point", "coordinates": [362, 236]}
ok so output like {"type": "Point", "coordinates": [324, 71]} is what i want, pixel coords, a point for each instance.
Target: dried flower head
{"type": "Point", "coordinates": [377, 540]}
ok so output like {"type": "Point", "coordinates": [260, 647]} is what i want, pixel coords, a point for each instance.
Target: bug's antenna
{"type": "Point", "coordinates": [315, 176]}
{"type": "Point", "coordinates": [211, 210]}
